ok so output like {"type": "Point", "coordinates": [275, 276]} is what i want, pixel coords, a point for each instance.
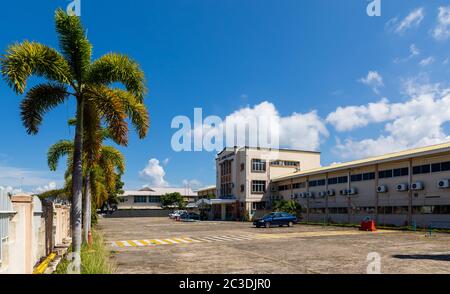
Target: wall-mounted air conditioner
{"type": "Point", "coordinates": [309, 194]}
{"type": "Point", "coordinates": [343, 192]}
{"type": "Point", "coordinates": [331, 192]}
{"type": "Point", "coordinates": [302, 195]}
{"type": "Point", "coordinates": [352, 191]}
{"type": "Point", "coordinates": [322, 194]}
{"type": "Point", "coordinates": [402, 187]}
{"type": "Point", "coordinates": [417, 186]}
{"type": "Point", "coordinates": [382, 189]}
{"type": "Point", "coordinates": [444, 184]}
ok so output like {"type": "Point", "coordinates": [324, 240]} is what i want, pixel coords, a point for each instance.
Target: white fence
{"type": "Point", "coordinates": [5, 214]}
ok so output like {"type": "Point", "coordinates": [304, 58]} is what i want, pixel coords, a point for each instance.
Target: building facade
{"type": "Point", "coordinates": [244, 175]}
{"type": "Point", "coordinates": [207, 192]}
{"type": "Point", "coordinates": [150, 198]}
{"type": "Point", "coordinates": [403, 188]}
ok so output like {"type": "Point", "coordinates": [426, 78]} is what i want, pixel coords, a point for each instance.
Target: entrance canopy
{"type": "Point", "coordinates": [214, 201]}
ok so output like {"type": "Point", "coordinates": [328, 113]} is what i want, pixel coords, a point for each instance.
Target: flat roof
{"type": "Point", "coordinates": [267, 149]}
{"type": "Point", "coordinates": [159, 192]}
{"type": "Point", "coordinates": [206, 188]}
{"type": "Point", "coordinates": [401, 155]}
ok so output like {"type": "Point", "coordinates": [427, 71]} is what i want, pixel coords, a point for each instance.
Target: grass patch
{"type": "Point", "coordinates": [95, 259]}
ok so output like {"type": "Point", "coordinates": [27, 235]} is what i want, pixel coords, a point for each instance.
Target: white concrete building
{"type": "Point", "coordinates": [150, 198]}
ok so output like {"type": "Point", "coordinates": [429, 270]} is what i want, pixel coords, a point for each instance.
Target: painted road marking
{"type": "Point", "coordinates": [231, 238]}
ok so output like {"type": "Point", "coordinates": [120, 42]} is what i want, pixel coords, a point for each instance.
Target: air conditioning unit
{"type": "Point", "coordinates": [417, 186]}
{"type": "Point", "coordinates": [353, 191]}
{"type": "Point", "coordinates": [402, 187]}
{"type": "Point", "coordinates": [310, 195]}
{"type": "Point", "coordinates": [331, 193]}
{"type": "Point", "coordinates": [343, 192]}
{"type": "Point", "coordinates": [302, 195]}
{"type": "Point", "coordinates": [322, 194]}
{"type": "Point", "coordinates": [382, 189]}
{"type": "Point", "coordinates": [444, 184]}
{"type": "Point", "coordinates": [296, 195]}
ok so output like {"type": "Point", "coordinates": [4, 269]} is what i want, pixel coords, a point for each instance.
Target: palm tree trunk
{"type": "Point", "coordinates": [77, 186]}
{"type": "Point", "coordinates": [87, 207]}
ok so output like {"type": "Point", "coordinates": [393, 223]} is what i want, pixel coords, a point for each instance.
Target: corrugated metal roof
{"type": "Point", "coordinates": [207, 188]}
{"type": "Point", "coordinates": [445, 147]}
{"type": "Point", "coordinates": [160, 191]}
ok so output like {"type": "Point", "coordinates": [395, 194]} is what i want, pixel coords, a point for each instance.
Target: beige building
{"type": "Point", "coordinates": [207, 192]}
{"type": "Point", "coordinates": [244, 174]}
{"type": "Point", "coordinates": [150, 198]}
{"type": "Point", "coordinates": [404, 188]}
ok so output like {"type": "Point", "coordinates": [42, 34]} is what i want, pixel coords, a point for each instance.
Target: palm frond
{"type": "Point", "coordinates": [58, 150]}
{"type": "Point", "coordinates": [112, 68]}
{"type": "Point", "coordinates": [39, 100]}
{"type": "Point", "coordinates": [109, 107]}
{"type": "Point", "coordinates": [110, 155]}
{"type": "Point", "coordinates": [136, 111]}
{"type": "Point", "coordinates": [74, 45]}
{"type": "Point", "coordinates": [23, 60]}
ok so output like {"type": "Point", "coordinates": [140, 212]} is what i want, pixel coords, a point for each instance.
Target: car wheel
{"type": "Point", "coordinates": [268, 225]}
{"type": "Point", "coordinates": [290, 224]}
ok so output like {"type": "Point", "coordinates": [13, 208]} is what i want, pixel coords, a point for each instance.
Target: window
{"type": "Point", "coordinates": [140, 199]}
{"type": "Point", "coordinates": [258, 186]}
{"type": "Point", "coordinates": [332, 181]}
{"type": "Point", "coordinates": [368, 176]}
{"type": "Point", "coordinates": [312, 183]}
{"type": "Point", "coordinates": [384, 174]}
{"type": "Point", "coordinates": [242, 188]}
{"type": "Point", "coordinates": [343, 180]}
{"type": "Point", "coordinates": [422, 169]}
{"type": "Point", "coordinates": [258, 165]}
{"type": "Point", "coordinates": [154, 199]}
{"type": "Point", "coordinates": [401, 172]}
{"type": "Point", "coordinates": [356, 178]}
{"type": "Point", "coordinates": [445, 166]}
{"type": "Point", "coordinates": [242, 166]}
{"type": "Point", "coordinates": [436, 167]}
{"type": "Point", "coordinates": [292, 163]}
{"type": "Point", "coordinates": [321, 182]}
{"type": "Point", "coordinates": [258, 205]}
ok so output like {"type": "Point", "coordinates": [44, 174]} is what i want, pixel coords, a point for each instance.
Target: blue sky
{"type": "Point", "coordinates": [338, 80]}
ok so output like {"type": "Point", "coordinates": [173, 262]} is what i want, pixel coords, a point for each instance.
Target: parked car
{"type": "Point", "coordinates": [190, 216]}
{"type": "Point", "coordinates": [176, 214]}
{"type": "Point", "coordinates": [276, 219]}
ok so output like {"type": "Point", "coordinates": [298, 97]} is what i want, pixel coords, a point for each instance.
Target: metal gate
{"type": "Point", "coordinates": [5, 213]}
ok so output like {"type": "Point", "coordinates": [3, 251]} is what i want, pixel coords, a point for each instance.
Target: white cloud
{"type": "Point", "coordinates": [11, 190]}
{"type": "Point", "coordinates": [413, 50]}
{"type": "Point", "coordinates": [373, 80]}
{"type": "Point", "coordinates": [29, 179]}
{"type": "Point", "coordinates": [442, 30]}
{"type": "Point", "coordinates": [427, 61]}
{"type": "Point", "coordinates": [413, 19]}
{"type": "Point", "coordinates": [50, 186]}
{"type": "Point", "coordinates": [298, 130]}
{"type": "Point", "coordinates": [154, 174]}
{"type": "Point", "coordinates": [416, 122]}
{"type": "Point", "coordinates": [166, 161]}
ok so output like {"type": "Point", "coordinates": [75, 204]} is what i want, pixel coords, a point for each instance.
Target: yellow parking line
{"type": "Point", "coordinates": [144, 242]}
{"type": "Point", "coordinates": [171, 241]}
{"type": "Point", "coordinates": [120, 244]}
{"type": "Point", "coordinates": [132, 243]}
{"type": "Point", "coordinates": [181, 240]}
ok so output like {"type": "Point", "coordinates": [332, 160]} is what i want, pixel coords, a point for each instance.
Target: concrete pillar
{"type": "Point", "coordinates": [21, 259]}
{"type": "Point", "coordinates": [223, 211]}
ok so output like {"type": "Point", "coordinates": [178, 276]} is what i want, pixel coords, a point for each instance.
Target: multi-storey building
{"type": "Point", "coordinates": [404, 188]}
{"type": "Point", "coordinates": [244, 174]}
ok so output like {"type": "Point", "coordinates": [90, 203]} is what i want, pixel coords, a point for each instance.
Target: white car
{"type": "Point", "coordinates": [176, 214]}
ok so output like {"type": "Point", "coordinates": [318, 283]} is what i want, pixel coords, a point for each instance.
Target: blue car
{"type": "Point", "coordinates": [276, 219]}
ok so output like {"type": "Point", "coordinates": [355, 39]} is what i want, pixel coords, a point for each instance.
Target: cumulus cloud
{"type": "Point", "coordinates": [10, 190]}
{"type": "Point", "coordinates": [374, 80]}
{"type": "Point", "coordinates": [154, 174]}
{"type": "Point", "coordinates": [442, 30]}
{"type": "Point", "coordinates": [413, 19]}
{"type": "Point", "coordinates": [263, 122]}
{"type": "Point", "coordinates": [416, 122]}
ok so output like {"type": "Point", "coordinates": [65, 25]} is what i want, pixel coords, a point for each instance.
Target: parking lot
{"type": "Point", "coordinates": [163, 246]}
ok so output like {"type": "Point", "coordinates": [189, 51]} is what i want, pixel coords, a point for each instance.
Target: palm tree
{"type": "Point", "coordinates": [71, 73]}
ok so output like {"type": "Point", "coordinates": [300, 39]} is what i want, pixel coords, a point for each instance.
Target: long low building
{"type": "Point", "coordinates": [402, 188]}
{"type": "Point", "coordinates": [150, 198]}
